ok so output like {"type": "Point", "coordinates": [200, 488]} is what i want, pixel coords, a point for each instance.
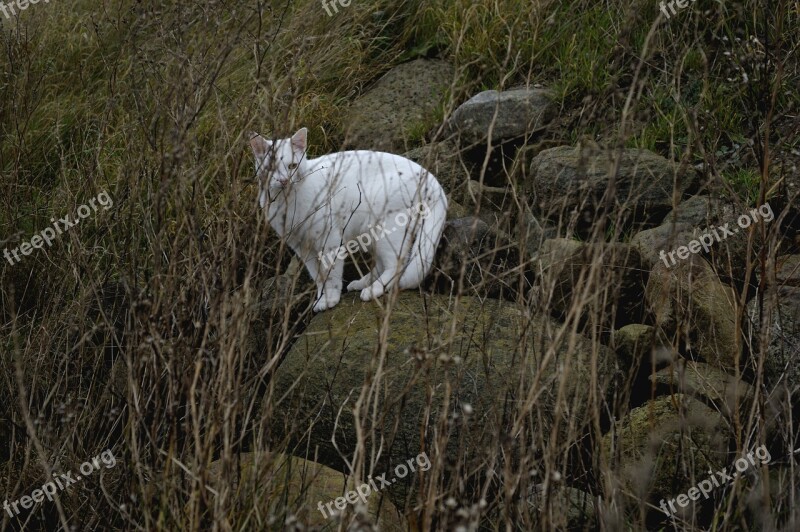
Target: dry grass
{"type": "Point", "coordinates": [144, 329]}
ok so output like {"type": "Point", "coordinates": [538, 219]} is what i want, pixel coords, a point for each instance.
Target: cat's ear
{"type": "Point", "coordinates": [300, 140]}
{"type": "Point", "coordinates": [259, 144]}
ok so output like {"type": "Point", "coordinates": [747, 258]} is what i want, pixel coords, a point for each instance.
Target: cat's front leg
{"type": "Point", "coordinates": [312, 265]}
{"type": "Point", "coordinates": [329, 284]}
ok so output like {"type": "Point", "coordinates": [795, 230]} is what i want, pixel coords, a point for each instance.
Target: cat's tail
{"type": "Point", "coordinates": [428, 232]}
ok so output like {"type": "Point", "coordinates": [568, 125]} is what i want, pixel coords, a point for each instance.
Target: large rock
{"type": "Point", "coordinates": [490, 204]}
{"type": "Point", "coordinates": [701, 211]}
{"type": "Point", "coordinates": [651, 242]}
{"type": "Point", "coordinates": [613, 271]}
{"type": "Point", "coordinates": [728, 253]}
{"type": "Point", "coordinates": [531, 233]}
{"type": "Point", "coordinates": [631, 186]}
{"type": "Point", "coordinates": [725, 393]}
{"type": "Point", "coordinates": [666, 446]}
{"type": "Point", "coordinates": [788, 271]}
{"type": "Point", "coordinates": [446, 374]}
{"type": "Point", "coordinates": [386, 116]}
{"type": "Point", "coordinates": [290, 489]}
{"type": "Point", "coordinates": [510, 114]}
{"type": "Point", "coordinates": [693, 308]}
{"type": "Point", "coordinates": [634, 343]}
{"type": "Point", "coordinates": [781, 321]}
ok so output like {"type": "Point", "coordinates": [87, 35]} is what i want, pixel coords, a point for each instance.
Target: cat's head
{"type": "Point", "coordinates": [279, 163]}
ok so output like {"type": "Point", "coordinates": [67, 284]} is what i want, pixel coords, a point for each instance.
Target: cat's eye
{"type": "Point", "coordinates": [292, 166]}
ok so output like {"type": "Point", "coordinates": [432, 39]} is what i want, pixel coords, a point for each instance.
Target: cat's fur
{"type": "Point", "coordinates": [318, 205]}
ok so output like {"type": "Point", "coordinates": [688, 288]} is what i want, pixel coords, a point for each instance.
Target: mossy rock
{"type": "Point", "coordinates": [448, 376]}
{"type": "Point", "coordinates": [666, 446]}
{"type": "Point", "coordinates": [690, 304]}
{"type": "Point", "coordinates": [288, 489]}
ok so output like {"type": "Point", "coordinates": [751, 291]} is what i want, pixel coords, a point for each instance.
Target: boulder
{"type": "Point", "coordinates": [386, 116]}
{"type": "Point", "coordinates": [693, 308]}
{"type": "Point", "coordinates": [651, 242]}
{"type": "Point", "coordinates": [632, 186]}
{"type": "Point", "coordinates": [701, 215]}
{"type": "Point", "coordinates": [723, 392]}
{"type": "Point", "coordinates": [443, 160]}
{"type": "Point", "coordinates": [533, 232]}
{"type": "Point", "coordinates": [665, 447]}
{"type": "Point", "coordinates": [634, 343]}
{"type": "Point", "coordinates": [701, 211]}
{"type": "Point", "coordinates": [289, 490]}
{"type": "Point", "coordinates": [788, 271]}
{"type": "Point", "coordinates": [447, 375]}
{"type": "Point", "coordinates": [509, 114]}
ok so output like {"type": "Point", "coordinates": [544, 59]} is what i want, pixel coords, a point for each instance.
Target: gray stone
{"type": "Point", "coordinates": [666, 446]}
{"type": "Point", "coordinates": [651, 242]}
{"type": "Point", "coordinates": [723, 392]}
{"type": "Point", "coordinates": [444, 161]}
{"type": "Point", "coordinates": [634, 343]}
{"type": "Point", "coordinates": [278, 484]}
{"type": "Point", "coordinates": [636, 186]}
{"type": "Point", "coordinates": [509, 114]}
{"type": "Point", "coordinates": [701, 211]}
{"type": "Point", "coordinates": [788, 271]}
{"type": "Point", "coordinates": [691, 305]}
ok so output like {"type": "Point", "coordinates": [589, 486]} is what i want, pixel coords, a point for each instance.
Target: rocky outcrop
{"type": "Point", "coordinates": [385, 116]}
{"type": "Point", "coordinates": [454, 374]}
{"type": "Point", "coordinates": [631, 186]}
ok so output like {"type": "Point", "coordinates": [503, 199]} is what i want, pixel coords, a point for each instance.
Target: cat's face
{"type": "Point", "coordinates": [279, 163]}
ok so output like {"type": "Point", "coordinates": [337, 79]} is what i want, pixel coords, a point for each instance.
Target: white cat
{"type": "Point", "coordinates": [319, 205]}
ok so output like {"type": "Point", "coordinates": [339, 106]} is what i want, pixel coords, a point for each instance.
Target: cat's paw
{"type": "Point", "coordinates": [371, 292]}
{"type": "Point", "coordinates": [356, 285]}
{"type": "Point", "coordinates": [326, 301]}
